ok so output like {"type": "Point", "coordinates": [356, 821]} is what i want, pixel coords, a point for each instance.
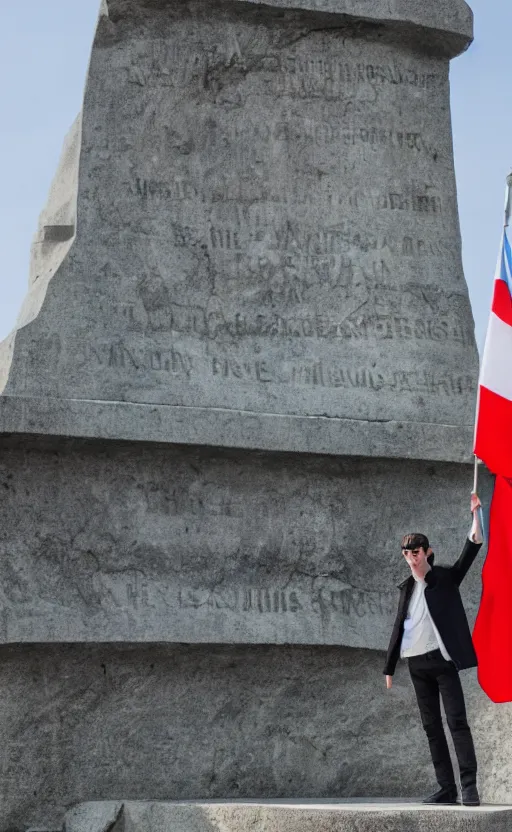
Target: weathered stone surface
{"type": "Point", "coordinates": [97, 817]}
{"type": "Point", "coordinates": [272, 816]}
{"type": "Point", "coordinates": [252, 243]}
{"type": "Point", "coordinates": [266, 226]}
{"type": "Point", "coordinates": [234, 429]}
{"type": "Point", "coordinates": [491, 728]}
{"type": "Point", "coordinates": [82, 723]}
{"type": "Point", "coordinates": [450, 20]}
{"type": "Point", "coordinates": [158, 544]}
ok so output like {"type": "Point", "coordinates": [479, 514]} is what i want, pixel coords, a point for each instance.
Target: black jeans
{"type": "Point", "coordinates": [433, 676]}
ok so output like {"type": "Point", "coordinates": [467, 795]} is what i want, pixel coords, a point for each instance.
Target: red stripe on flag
{"type": "Point", "coordinates": [492, 635]}
{"type": "Point", "coordinates": [502, 302]}
{"type": "Point", "coordinates": [493, 443]}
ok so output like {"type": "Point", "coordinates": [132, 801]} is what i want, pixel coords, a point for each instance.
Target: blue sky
{"type": "Point", "coordinates": [44, 51]}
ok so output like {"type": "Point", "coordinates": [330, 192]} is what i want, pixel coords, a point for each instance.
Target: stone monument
{"type": "Point", "coordinates": [245, 365]}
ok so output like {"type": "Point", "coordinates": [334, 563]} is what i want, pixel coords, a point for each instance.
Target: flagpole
{"type": "Point", "coordinates": [475, 477]}
{"type": "Point", "coordinates": [508, 201]}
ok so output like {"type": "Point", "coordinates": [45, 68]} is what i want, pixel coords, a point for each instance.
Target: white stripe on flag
{"type": "Point", "coordinates": [496, 372]}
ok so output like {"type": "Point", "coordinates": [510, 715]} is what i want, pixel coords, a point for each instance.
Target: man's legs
{"type": "Point", "coordinates": [455, 709]}
{"type": "Point", "coordinates": [424, 678]}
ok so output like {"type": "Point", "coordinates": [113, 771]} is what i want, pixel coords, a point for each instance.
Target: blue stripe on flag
{"type": "Point", "coordinates": [506, 262]}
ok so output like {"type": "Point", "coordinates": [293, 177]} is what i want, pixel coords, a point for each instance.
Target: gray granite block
{"type": "Point", "coordinates": [255, 220]}
{"type": "Point", "coordinates": [116, 542]}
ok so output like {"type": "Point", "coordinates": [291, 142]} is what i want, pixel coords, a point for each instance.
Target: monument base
{"type": "Point", "coordinates": [163, 722]}
{"type": "Point", "coordinates": [285, 816]}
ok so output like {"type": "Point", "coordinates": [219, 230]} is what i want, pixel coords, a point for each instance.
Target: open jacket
{"type": "Point", "coordinates": [446, 609]}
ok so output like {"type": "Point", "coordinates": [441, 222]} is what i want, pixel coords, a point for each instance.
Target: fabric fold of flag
{"type": "Point", "coordinates": [492, 635]}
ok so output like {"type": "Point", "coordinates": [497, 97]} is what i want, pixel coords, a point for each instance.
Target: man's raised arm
{"type": "Point", "coordinates": [473, 543]}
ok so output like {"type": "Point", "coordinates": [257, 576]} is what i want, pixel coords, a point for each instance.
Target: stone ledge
{"type": "Point", "coordinates": [445, 25]}
{"type": "Point", "coordinates": [452, 19]}
{"type": "Point", "coordinates": [247, 430]}
{"type": "Point", "coordinates": [284, 816]}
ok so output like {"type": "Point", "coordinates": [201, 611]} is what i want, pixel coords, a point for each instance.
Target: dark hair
{"type": "Point", "coordinates": [415, 541]}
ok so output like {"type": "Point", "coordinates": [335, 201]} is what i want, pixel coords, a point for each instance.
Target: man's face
{"type": "Point", "coordinates": [415, 557]}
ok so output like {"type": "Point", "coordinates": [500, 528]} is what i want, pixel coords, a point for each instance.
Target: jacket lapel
{"type": "Point", "coordinates": [406, 589]}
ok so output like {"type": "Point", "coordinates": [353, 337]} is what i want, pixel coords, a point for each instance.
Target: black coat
{"type": "Point", "coordinates": [446, 609]}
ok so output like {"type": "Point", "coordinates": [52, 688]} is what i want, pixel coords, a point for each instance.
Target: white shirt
{"type": "Point", "coordinates": [420, 633]}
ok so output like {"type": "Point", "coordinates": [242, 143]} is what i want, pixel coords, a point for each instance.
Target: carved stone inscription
{"type": "Point", "coordinates": [163, 545]}
{"type": "Point", "coordinates": [268, 223]}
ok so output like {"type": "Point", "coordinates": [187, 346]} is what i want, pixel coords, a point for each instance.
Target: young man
{"type": "Point", "coordinates": [431, 631]}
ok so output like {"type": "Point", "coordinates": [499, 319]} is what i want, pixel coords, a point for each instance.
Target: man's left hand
{"type": "Point", "coordinates": [420, 569]}
{"type": "Point", "coordinates": [418, 564]}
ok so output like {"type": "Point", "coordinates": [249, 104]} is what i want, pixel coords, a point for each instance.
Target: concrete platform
{"type": "Point", "coordinates": [284, 816]}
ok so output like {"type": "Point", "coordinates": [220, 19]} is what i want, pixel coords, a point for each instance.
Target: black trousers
{"type": "Point", "coordinates": [432, 677]}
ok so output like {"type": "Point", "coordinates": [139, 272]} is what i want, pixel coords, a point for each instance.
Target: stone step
{"type": "Point", "coordinates": [285, 816]}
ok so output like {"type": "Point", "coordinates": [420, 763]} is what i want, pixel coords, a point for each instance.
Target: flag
{"type": "Point", "coordinates": [493, 438]}
{"type": "Point", "coordinates": [492, 635]}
